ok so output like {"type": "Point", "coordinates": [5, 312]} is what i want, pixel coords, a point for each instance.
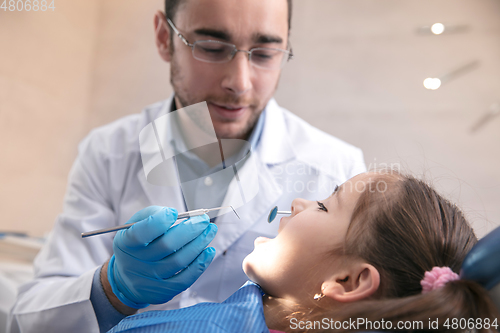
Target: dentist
{"type": "Point", "coordinates": [229, 54]}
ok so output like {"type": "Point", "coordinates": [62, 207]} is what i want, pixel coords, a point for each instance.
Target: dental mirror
{"type": "Point", "coordinates": [274, 212]}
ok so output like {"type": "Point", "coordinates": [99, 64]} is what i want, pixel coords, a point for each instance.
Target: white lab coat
{"type": "Point", "coordinates": [107, 186]}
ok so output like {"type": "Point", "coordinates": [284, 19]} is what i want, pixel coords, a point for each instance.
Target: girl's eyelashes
{"type": "Point", "coordinates": [321, 206]}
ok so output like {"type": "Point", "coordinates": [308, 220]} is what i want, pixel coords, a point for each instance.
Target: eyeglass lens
{"type": "Point", "coordinates": [211, 51]}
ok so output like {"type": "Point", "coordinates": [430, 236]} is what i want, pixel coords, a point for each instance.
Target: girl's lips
{"type": "Point", "coordinates": [228, 113]}
{"type": "Point", "coordinates": [261, 240]}
{"type": "Point", "coordinates": [282, 223]}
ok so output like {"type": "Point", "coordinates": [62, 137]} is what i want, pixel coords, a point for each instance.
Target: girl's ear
{"type": "Point", "coordinates": [360, 282]}
{"type": "Point", "coordinates": [162, 36]}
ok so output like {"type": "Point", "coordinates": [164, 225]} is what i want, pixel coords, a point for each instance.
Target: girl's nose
{"type": "Point", "coordinates": [298, 205]}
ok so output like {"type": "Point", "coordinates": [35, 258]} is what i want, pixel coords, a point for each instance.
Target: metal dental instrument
{"type": "Point", "coordinates": [185, 215]}
{"type": "Point", "coordinates": [274, 212]}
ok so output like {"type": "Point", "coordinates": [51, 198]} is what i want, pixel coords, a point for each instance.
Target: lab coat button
{"type": "Point", "coordinates": [208, 181]}
{"type": "Point", "coordinates": [224, 253]}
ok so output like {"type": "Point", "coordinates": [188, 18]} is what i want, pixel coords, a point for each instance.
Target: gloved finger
{"type": "Point", "coordinates": [145, 213]}
{"type": "Point", "coordinates": [174, 239]}
{"type": "Point", "coordinates": [185, 278]}
{"type": "Point", "coordinates": [179, 260]}
{"type": "Point", "coordinates": [160, 291]}
{"type": "Point", "coordinates": [144, 232]}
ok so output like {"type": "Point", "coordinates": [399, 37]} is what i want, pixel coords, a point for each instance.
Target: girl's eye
{"type": "Point", "coordinates": [322, 207]}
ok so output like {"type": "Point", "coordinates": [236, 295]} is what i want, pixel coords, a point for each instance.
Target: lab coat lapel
{"type": "Point", "coordinates": [162, 195]}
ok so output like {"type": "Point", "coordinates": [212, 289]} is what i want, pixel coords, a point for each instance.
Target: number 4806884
{"type": "Point", "coordinates": [27, 5]}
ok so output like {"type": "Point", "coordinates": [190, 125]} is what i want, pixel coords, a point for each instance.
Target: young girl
{"type": "Point", "coordinates": [383, 250]}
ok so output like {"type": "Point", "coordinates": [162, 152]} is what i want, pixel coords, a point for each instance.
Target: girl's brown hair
{"type": "Point", "coordinates": [405, 228]}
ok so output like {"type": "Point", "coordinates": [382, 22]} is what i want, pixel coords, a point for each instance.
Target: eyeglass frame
{"type": "Point", "coordinates": [233, 54]}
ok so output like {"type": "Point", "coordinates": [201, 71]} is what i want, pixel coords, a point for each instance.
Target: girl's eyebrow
{"type": "Point", "coordinates": [337, 192]}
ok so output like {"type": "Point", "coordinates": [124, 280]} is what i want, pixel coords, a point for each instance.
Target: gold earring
{"type": "Point", "coordinates": [317, 297]}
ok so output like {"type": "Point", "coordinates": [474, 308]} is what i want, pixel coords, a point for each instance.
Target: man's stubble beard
{"type": "Point", "coordinates": [186, 99]}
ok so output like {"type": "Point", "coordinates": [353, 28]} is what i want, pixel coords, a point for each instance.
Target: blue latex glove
{"type": "Point", "coordinates": [152, 262]}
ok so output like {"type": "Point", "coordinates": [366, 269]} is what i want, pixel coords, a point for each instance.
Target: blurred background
{"type": "Point", "coordinates": [358, 74]}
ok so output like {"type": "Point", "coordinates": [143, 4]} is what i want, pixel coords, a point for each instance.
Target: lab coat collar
{"type": "Point", "coordinates": [159, 195]}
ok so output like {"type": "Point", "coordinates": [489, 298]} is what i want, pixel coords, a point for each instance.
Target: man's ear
{"type": "Point", "coordinates": [360, 282]}
{"type": "Point", "coordinates": [162, 36]}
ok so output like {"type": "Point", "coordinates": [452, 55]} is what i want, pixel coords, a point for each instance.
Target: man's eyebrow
{"type": "Point", "coordinates": [258, 38]}
{"type": "Point", "coordinates": [267, 39]}
{"type": "Point", "coordinates": [219, 34]}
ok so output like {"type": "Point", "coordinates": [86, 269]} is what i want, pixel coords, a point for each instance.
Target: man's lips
{"type": "Point", "coordinates": [230, 106]}
{"type": "Point", "coordinates": [229, 111]}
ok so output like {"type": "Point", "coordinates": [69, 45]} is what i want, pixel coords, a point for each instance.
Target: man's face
{"type": "Point", "coordinates": [236, 92]}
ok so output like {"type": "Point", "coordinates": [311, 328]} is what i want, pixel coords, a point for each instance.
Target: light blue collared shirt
{"type": "Point", "coordinates": [242, 312]}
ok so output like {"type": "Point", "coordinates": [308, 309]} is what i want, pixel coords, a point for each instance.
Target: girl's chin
{"type": "Point", "coordinates": [254, 260]}
{"type": "Point", "coordinates": [247, 267]}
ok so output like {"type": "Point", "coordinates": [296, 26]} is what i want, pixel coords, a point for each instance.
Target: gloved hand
{"type": "Point", "coordinates": [152, 262]}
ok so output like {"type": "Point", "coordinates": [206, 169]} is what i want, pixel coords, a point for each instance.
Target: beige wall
{"type": "Point", "coordinates": [128, 73]}
{"type": "Point", "coordinates": [46, 64]}
{"type": "Point", "coordinates": [357, 74]}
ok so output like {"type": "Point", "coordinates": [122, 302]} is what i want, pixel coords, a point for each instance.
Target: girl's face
{"type": "Point", "coordinates": [284, 266]}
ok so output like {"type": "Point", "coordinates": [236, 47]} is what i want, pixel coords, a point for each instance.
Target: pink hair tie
{"type": "Point", "coordinates": [437, 278]}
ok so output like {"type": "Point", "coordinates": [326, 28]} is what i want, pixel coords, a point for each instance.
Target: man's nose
{"type": "Point", "coordinates": [238, 74]}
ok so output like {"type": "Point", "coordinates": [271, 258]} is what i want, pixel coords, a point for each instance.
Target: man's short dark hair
{"type": "Point", "coordinates": [171, 7]}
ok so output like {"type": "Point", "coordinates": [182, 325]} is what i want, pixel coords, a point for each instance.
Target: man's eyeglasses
{"type": "Point", "coordinates": [213, 51]}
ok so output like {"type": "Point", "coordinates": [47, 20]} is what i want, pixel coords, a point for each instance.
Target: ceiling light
{"type": "Point", "coordinates": [437, 28]}
{"type": "Point", "coordinates": [432, 83]}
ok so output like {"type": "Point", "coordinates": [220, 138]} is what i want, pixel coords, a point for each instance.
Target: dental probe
{"type": "Point", "coordinates": [274, 212]}
{"type": "Point", "coordinates": [185, 215]}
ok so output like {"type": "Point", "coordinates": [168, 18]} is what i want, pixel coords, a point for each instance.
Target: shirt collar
{"type": "Point", "coordinates": [256, 134]}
